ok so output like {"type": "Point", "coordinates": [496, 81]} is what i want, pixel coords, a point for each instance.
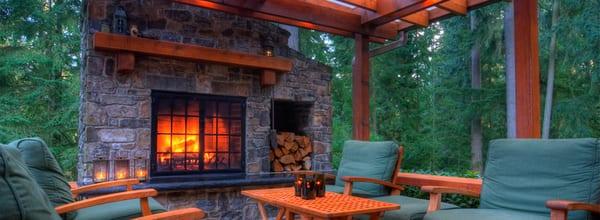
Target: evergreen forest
{"type": "Point", "coordinates": [442, 95]}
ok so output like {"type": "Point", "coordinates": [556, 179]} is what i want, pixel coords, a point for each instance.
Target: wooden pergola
{"type": "Point", "coordinates": [383, 21]}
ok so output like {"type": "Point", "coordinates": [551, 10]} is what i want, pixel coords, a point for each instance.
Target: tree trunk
{"type": "Point", "coordinates": [551, 72]}
{"type": "Point", "coordinates": [476, 133]}
{"type": "Point", "coordinates": [511, 97]}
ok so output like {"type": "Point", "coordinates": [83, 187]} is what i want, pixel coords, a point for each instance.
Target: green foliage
{"type": "Point", "coordinates": [39, 80]}
{"type": "Point", "coordinates": [421, 92]}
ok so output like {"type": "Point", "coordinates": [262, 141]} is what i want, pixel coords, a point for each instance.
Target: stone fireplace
{"type": "Point", "coordinates": [203, 127]}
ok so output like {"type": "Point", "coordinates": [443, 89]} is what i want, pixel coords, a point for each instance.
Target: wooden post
{"type": "Point", "coordinates": [360, 88]}
{"type": "Point", "coordinates": [527, 69]}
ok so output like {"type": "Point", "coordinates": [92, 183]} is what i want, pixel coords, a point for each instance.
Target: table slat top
{"type": "Point", "coordinates": [332, 205]}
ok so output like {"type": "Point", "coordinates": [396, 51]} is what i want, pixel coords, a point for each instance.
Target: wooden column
{"type": "Point", "coordinates": [360, 88]}
{"type": "Point", "coordinates": [527, 69]}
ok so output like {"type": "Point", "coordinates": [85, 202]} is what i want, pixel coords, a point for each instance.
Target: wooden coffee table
{"type": "Point", "coordinates": [332, 206]}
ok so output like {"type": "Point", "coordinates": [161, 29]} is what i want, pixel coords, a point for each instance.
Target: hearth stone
{"type": "Point", "coordinates": [115, 112]}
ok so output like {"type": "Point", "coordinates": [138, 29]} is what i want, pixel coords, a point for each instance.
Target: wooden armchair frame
{"type": "Point", "coordinates": [436, 186]}
{"type": "Point", "coordinates": [559, 209]}
{"type": "Point", "coordinates": [142, 195]}
{"type": "Point", "coordinates": [396, 189]}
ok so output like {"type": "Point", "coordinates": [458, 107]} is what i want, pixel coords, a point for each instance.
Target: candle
{"type": "Point", "coordinates": [298, 184]}
{"type": "Point", "coordinates": [121, 174]}
{"type": "Point", "coordinates": [100, 176]}
{"type": "Point", "coordinates": [308, 188]}
{"type": "Point", "coordinates": [320, 185]}
{"type": "Point", "coordinates": [141, 174]}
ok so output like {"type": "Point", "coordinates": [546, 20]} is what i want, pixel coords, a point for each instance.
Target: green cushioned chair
{"type": "Point", "coordinates": [373, 160]}
{"type": "Point", "coordinates": [369, 169]}
{"type": "Point", "coordinates": [522, 175]}
{"type": "Point", "coordinates": [21, 196]}
{"type": "Point", "coordinates": [35, 182]}
{"type": "Point", "coordinates": [45, 170]}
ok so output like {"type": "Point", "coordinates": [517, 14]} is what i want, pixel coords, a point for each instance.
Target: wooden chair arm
{"type": "Point", "coordinates": [559, 208]}
{"type": "Point", "coordinates": [349, 180]}
{"type": "Point", "coordinates": [114, 197]}
{"type": "Point", "coordinates": [444, 189]}
{"type": "Point", "coordinates": [180, 214]}
{"type": "Point", "coordinates": [414, 179]}
{"type": "Point", "coordinates": [73, 185]}
{"type": "Point", "coordinates": [436, 192]}
{"type": "Point", "coordinates": [128, 183]}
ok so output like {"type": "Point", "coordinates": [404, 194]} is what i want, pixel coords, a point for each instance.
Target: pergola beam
{"type": "Point", "coordinates": [391, 10]}
{"type": "Point", "coordinates": [420, 18]}
{"type": "Point", "coordinates": [455, 6]}
{"type": "Point", "coordinates": [364, 4]}
{"type": "Point", "coordinates": [440, 14]}
{"type": "Point", "coordinates": [390, 46]}
{"type": "Point", "coordinates": [297, 13]}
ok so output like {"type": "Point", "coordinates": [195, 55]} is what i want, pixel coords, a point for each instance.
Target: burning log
{"type": "Point", "coordinates": [293, 153]}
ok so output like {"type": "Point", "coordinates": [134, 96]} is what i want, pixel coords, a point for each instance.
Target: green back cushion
{"type": "Point", "coordinates": [368, 159]}
{"type": "Point", "coordinates": [20, 195]}
{"type": "Point", "coordinates": [522, 174]}
{"type": "Point", "coordinates": [45, 170]}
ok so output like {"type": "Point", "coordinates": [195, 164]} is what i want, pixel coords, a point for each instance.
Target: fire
{"type": "Point", "coordinates": [141, 174]}
{"type": "Point", "coordinates": [121, 174]}
{"type": "Point", "coordinates": [178, 141]}
{"type": "Point", "coordinates": [100, 176]}
{"type": "Point", "coordinates": [208, 158]}
{"type": "Point", "coordinates": [164, 159]}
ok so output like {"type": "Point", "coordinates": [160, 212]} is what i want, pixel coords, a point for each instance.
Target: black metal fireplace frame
{"type": "Point", "coordinates": [203, 98]}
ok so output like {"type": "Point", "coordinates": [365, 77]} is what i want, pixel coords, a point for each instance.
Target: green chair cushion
{"type": "Point", "coordinates": [410, 208]}
{"type": "Point", "coordinates": [522, 174]}
{"type": "Point", "coordinates": [118, 210]}
{"type": "Point", "coordinates": [482, 214]}
{"type": "Point", "coordinates": [340, 190]}
{"type": "Point", "coordinates": [21, 196]}
{"type": "Point", "coordinates": [45, 170]}
{"type": "Point", "coordinates": [368, 159]}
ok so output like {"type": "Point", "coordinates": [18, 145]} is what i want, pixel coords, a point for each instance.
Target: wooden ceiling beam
{"type": "Point", "coordinates": [420, 18]}
{"type": "Point", "coordinates": [439, 14]}
{"type": "Point", "coordinates": [297, 13]}
{"type": "Point", "coordinates": [391, 10]}
{"type": "Point", "coordinates": [455, 6]}
{"type": "Point", "coordinates": [364, 4]}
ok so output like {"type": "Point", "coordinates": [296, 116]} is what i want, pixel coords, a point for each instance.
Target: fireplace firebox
{"type": "Point", "coordinates": [194, 133]}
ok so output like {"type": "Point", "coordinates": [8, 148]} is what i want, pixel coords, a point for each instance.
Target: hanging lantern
{"type": "Point", "coordinates": [100, 169]}
{"type": "Point", "coordinates": [121, 168]}
{"type": "Point", "coordinates": [120, 21]}
{"type": "Point", "coordinates": [141, 168]}
{"type": "Point", "coordinates": [267, 45]}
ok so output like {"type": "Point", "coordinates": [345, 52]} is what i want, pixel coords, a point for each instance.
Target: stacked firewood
{"type": "Point", "coordinates": [292, 153]}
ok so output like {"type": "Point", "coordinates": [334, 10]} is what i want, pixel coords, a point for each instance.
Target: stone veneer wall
{"type": "Point", "coordinates": [115, 111]}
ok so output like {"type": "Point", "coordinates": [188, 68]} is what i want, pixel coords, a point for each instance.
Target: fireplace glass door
{"type": "Point", "coordinates": [197, 133]}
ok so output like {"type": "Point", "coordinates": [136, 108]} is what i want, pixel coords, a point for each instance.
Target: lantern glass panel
{"type": "Point", "coordinates": [100, 167]}
{"type": "Point", "coordinates": [141, 168]}
{"type": "Point", "coordinates": [121, 168]}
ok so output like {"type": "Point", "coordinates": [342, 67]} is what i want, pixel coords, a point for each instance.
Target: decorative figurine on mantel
{"type": "Point", "coordinates": [120, 21]}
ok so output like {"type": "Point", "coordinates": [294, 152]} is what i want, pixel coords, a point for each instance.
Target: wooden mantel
{"type": "Point", "coordinates": [127, 46]}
